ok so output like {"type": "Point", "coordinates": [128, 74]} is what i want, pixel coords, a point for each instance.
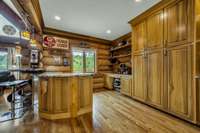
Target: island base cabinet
{"type": "Point", "coordinates": [65, 97]}
{"type": "Point", "coordinates": [85, 93]}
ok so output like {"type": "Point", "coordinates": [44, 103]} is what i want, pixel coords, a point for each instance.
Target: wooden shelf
{"type": "Point", "coordinates": [120, 56]}
{"type": "Point", "coordinates": [120, 47]}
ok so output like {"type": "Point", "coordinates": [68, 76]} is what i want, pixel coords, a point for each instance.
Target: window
{"type": "Point", "coordinates": [3, 59]}
{"type": "Point", "coordinates": [84, 60]}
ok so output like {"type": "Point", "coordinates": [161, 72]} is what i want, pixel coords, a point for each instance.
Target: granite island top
{"type": "Point", "coordinates": [64, 74]}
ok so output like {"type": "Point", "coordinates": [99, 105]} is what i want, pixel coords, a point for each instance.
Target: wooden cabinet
{"type": "Point", "coordinates": [155, 65]}
{"type": "Point", "coordinates": [155, 24]}
{"type": "Point", "coordinates": [108, 82]}
{"type": "Point", "coordinates": [139, 78]}
{"type": "Point", "coordinates": [85, 92]}
{"type": "Point", "coordinates": [126, 85]}
{"type": "Point", "coordinates": [179, 80]}
{"type": "Point", "coordinates": [65, 97]}
{"type": "Point", "coordinates": [176, 23]}
{"type": "Point", "coordinates": [139, 36]}
{"type": "Point", "coordinates": [164, 77]}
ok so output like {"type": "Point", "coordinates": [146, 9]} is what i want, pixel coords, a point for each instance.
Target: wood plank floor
{"type": "Point", "coordinates": [113, 113]}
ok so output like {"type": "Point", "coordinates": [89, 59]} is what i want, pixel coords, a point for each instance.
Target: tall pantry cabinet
{"type": "Point", "coordinates": [165, 67]}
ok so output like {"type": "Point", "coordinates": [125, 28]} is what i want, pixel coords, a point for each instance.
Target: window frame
{"type": "Point", "coordinates": [5, 50]}
{"type": "Point", "coordinates": [84, 50]}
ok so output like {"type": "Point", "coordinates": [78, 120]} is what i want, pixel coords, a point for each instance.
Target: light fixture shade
{"type": "Point", "coordinates": [25, 35]}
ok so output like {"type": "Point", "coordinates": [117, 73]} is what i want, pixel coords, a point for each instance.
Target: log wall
{"type": "Point", "coordinates": [102, 52]}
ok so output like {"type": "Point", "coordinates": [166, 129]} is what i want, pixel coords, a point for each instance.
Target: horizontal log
{"type": "Point", "coordinates": [98, 80]}
{"type": "Point", "coordinates": [103, 62]}
{"type": "Point", "coordinates": [57, 68]}
{"type": "Point", "coordinates": [98, 85]}
{"type": "Point", "coordinates": [103, 52]}
{"type": "Point", "coordinates": [52, 61]}
{"type": "Point", "coordinates": [104, 68]}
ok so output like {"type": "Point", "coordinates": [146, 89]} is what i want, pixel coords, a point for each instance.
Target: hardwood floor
{"type": "Point", "coordinates": [113, 113]}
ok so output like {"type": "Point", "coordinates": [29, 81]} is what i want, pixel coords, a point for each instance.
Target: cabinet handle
{"type": "Point", "coordinates": [165, 51]}
{"type": "Point", "coordinates": [165, 43]}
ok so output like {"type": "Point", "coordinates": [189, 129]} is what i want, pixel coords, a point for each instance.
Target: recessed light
{"type": "Point", "coordinates": [57, 18]}
{"type": "Point", "coordinates": [108, 31]}
{"type": "Point", "coordinates": [138, 0]}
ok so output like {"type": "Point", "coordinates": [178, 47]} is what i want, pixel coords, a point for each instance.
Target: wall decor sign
{"type": "Point", "coordinates": [55, 42]}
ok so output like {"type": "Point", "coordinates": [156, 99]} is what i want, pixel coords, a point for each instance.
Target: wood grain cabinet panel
{"type": "Point", "coordinates": [155, 25]}
{"type": "Point", "coordinates": [155, 64]}
{"type": "Point", "coordinates": [108, 82]}
{"type": "Point", "coordinates": [139, 36]}
{"type": "Point", "coordinates": [179, 80]}
{"type": "Point", "coordinates": [85, 93]}
{"type": "Point", "coordinates": [176, 23]}
{"type": "Point", "coordinates": [139, 78]}
{"type": "Point", "coordinates": [126, 85]}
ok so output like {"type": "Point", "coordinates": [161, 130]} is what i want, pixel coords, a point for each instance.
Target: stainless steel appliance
{"type": "Point", "coordinates": [116, 84]}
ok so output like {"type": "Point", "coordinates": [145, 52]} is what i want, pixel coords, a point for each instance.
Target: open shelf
{"type": "Point", "coordinates": [120, 47]}
{"type": "Point", "coordinates": [120, 56]}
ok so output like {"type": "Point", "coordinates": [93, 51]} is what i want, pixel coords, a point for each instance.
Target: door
{"type": "Point", "coordinates": [126, 84]}
{"type": "Point", "coordinates": [139, 78]}
{"type": "Point", "coordinates": [176, 26]}
{"type": "Point", "coordinates": [155, 64]}
{"type": "Point", "coordinates": [139, 36]}
{"type": "Point", "coordinates": [155, 25]}
{"type": "Point", "coordinates": [179, 80]}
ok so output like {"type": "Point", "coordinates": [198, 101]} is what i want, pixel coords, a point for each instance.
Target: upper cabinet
{"type": "Point", "coordinates": [176, 23]}
{"type": "Point", "coordinates": [139, 36]}
{"type": "Point", "coordinates": [155, 25]}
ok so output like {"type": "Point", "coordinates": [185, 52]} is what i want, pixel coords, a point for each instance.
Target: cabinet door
{"type": "Point", "coordinates": [179, 80]}
{"type": "Point", "coordinates": [155, 77]}
{"type": "Point", "coordinates": [126, 84]}
{"type": "Point", "coordinates": [155, 25]}
{"type": "Point", "coordinates": [139, 79]}
{"type": "Point", "coordinates": [139, 36]}
{"type": "Point", "coordinates": [176, 26]}
{"type": "Point", "coordinates": [108, 82]}
{"type": "Point", "coordinates": [85, 93]}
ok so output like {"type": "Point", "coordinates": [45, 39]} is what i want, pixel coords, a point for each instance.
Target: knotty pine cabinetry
{"type": "Point", "coordinates": [164, 58]}
{"type": "Point", "coordinates": [179, 80]}
{"type": "Point", "coordinates": [139, 71]}
{"type": "Point", "coordinates": [126, 85]}
{"type": "Point", "coordinates": [125, 82]}
{"type": "Point", "coordinates": [65, 96]}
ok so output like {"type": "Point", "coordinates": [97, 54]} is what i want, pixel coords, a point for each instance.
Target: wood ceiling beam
{"type": "Point", "coordinates": [32, 9]}
{"type": "Point", "coordinates": [10, 15]}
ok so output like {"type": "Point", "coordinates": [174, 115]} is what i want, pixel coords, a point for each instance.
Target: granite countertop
{"type": "Point", "coordinates": [62, 74]}
{"type": "Point", "coordinates": [28, 70]}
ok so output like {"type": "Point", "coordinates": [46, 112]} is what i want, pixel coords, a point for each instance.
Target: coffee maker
{"type": "Point", "coordinates": [34, 58]}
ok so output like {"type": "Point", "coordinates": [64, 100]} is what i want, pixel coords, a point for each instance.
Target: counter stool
{"type": "Point", "coordinates": [17, 87]}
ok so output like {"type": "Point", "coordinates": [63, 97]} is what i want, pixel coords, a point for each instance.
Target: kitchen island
{"type": "Point", "coordinates": [65, 95]}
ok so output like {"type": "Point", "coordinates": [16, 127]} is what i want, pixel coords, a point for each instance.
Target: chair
{"type": "Point", "coordinates": [7, 80]}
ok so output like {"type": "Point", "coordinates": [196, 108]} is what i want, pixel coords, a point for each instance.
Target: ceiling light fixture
{"type": "Point", "coordinates": [138, 0]}
{"type": "Point", "coordinates": [108, 31]}
{"type": "Point", "coordinates": [57, 18]}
